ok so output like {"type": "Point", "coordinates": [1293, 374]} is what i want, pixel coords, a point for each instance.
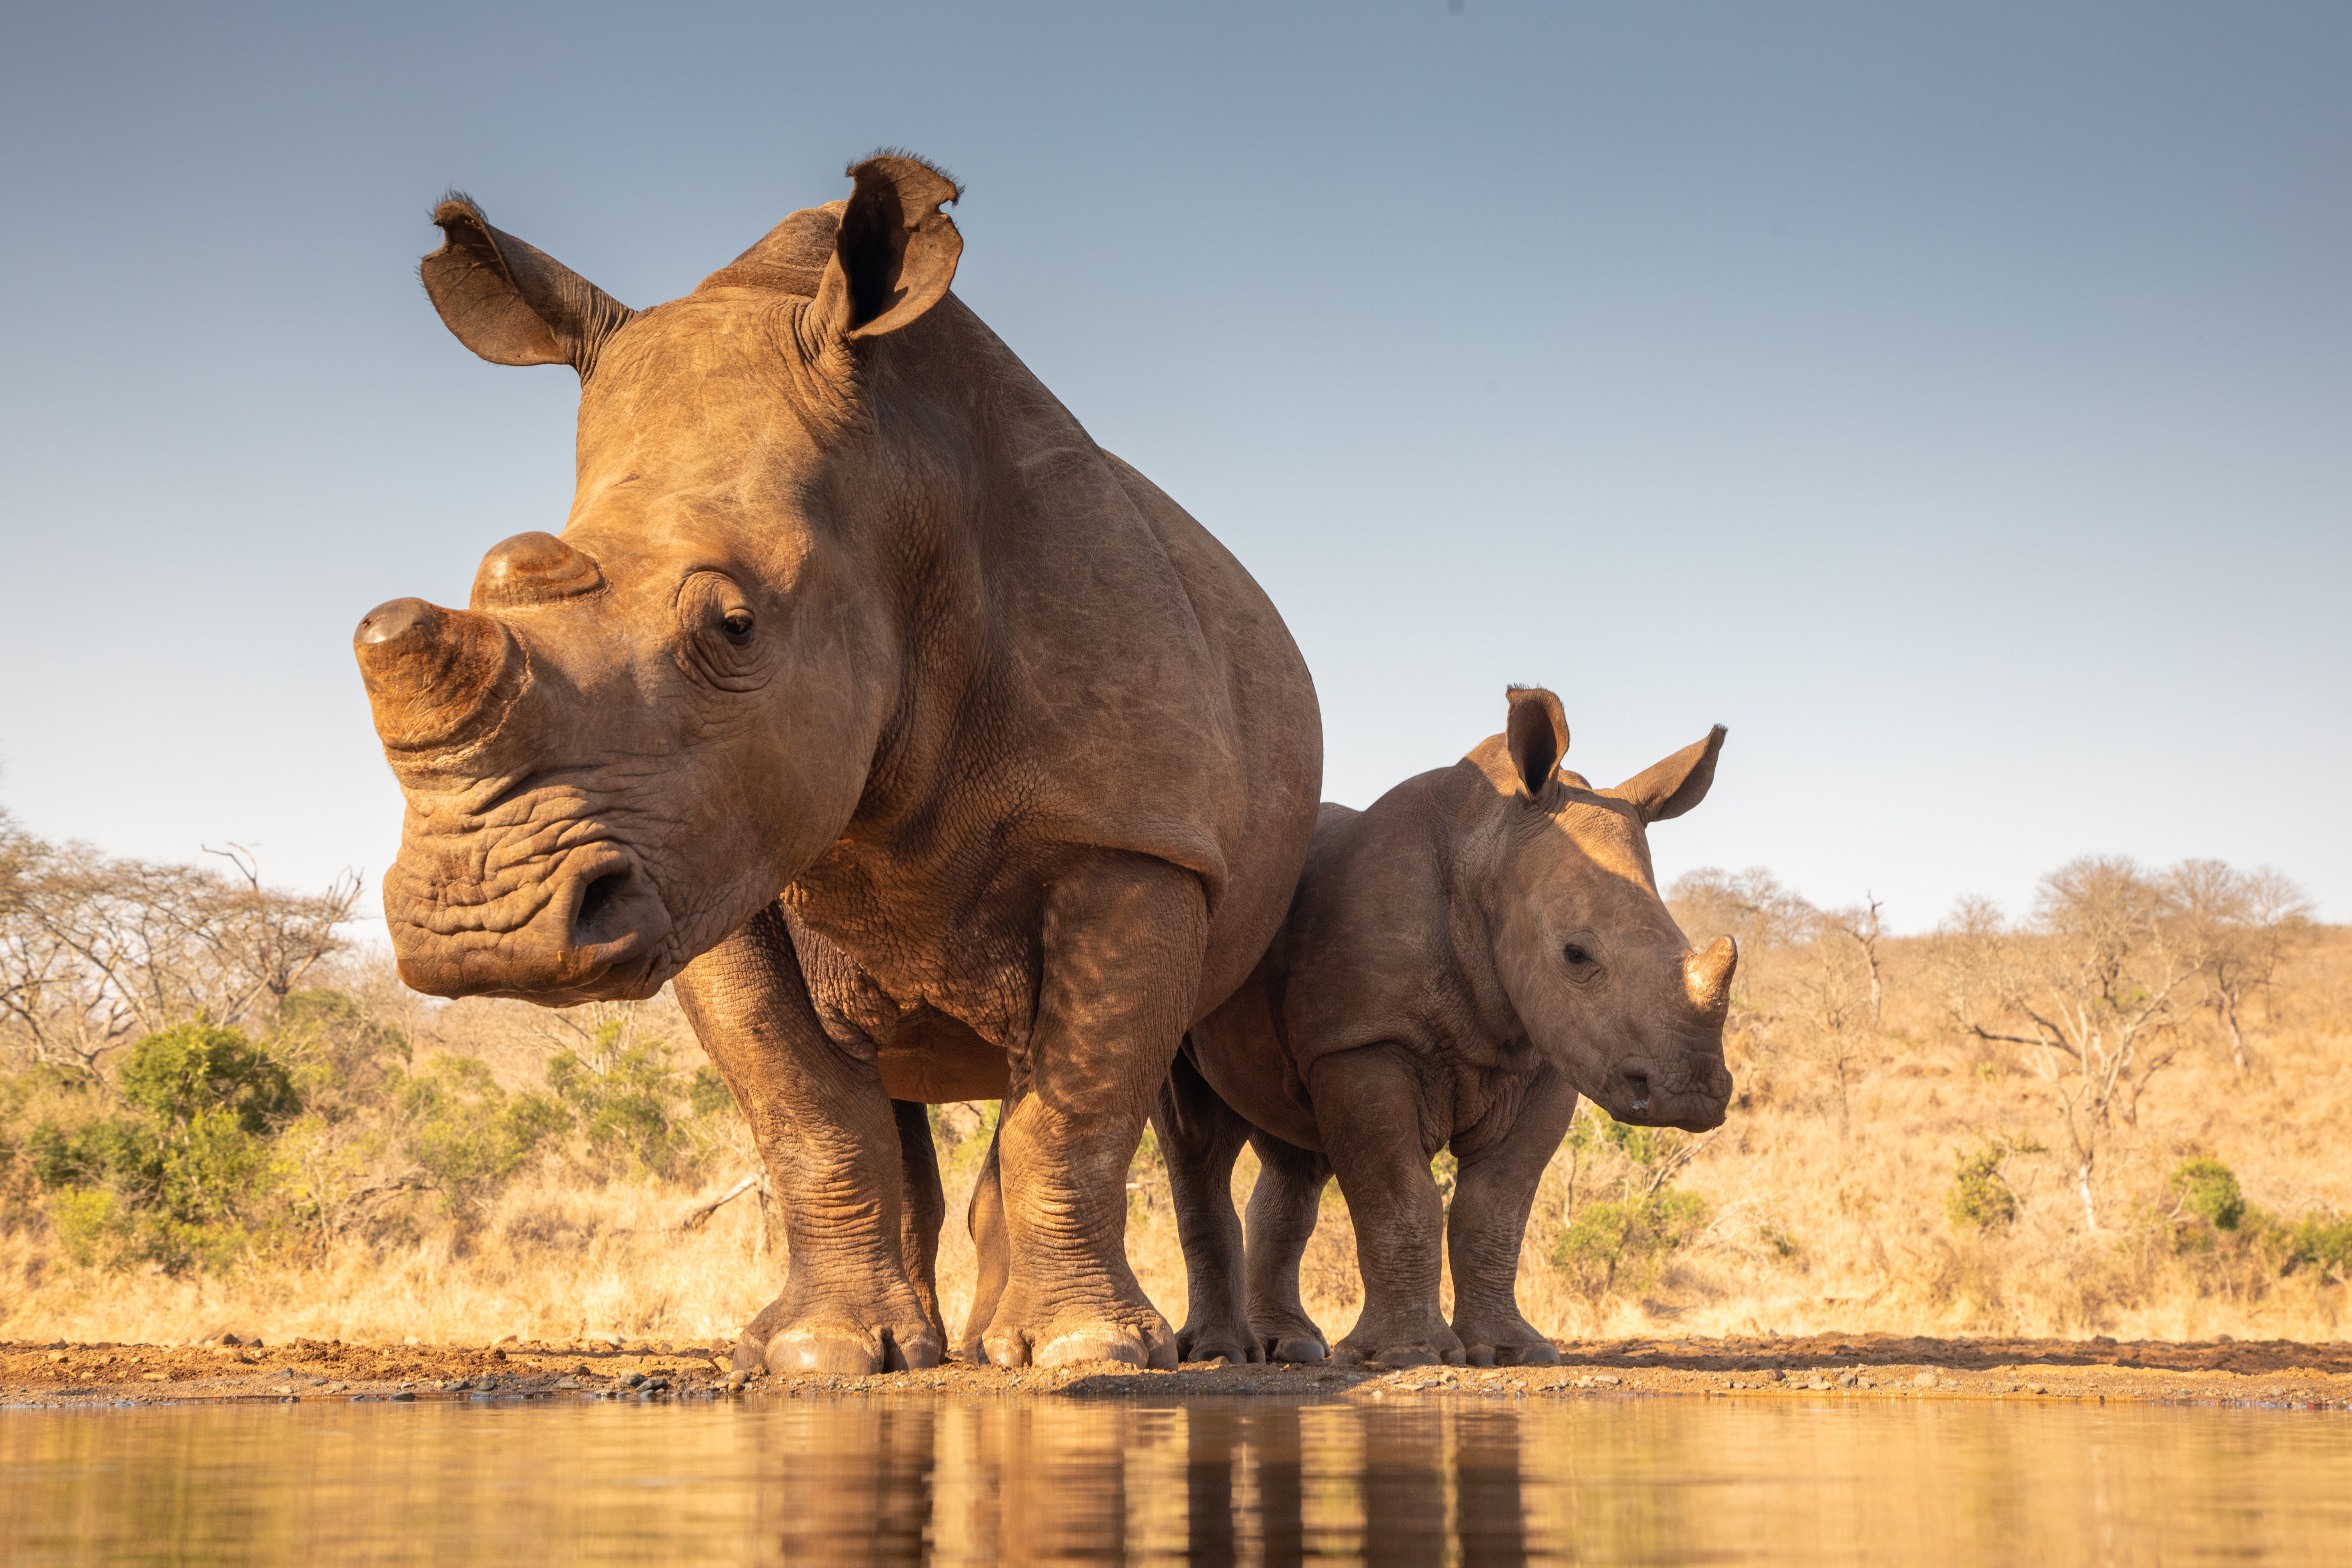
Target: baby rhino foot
{"type": "Point", "coordinates": [1290, 1340]}
{"type": "Point", "coordinates": [1401, 1344]}
{"type": "Point", "coordinates": [1217, 1342]}
{"type": "Point", "coordinates": [1510, 1343]}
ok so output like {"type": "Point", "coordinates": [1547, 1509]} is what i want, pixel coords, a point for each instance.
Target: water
{"type": "Point", "coordinates": [909, 1478]}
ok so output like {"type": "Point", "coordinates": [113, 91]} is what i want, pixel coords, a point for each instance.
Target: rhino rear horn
{"type": "Point", "coordinates": [512, 303]}
{"type": "Point", "coordinates": [895, 252]}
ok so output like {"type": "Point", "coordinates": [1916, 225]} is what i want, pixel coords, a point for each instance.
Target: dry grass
{"type": "Point", "coordinates": [1817, 1220]}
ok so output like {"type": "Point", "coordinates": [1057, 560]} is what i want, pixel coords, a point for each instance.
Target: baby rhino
{"type": "Point", "coordinates": [1460, 961]}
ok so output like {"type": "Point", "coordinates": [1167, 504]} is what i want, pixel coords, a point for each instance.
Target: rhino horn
{"type": "Point", "coordinates": [1707, 978]}
{"type": "Point", "coordinates": [438, 679]}
{"type": "Point", "coordinates": [533, 569]}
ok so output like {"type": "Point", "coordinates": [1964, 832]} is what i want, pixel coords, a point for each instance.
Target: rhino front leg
{"type": "Point", "coordinates": [1492, 1196]}
{"type": "Point", "coordinates": [1199, 1135]}
{"type": "Point", "coordinates": [830, 1139]}
{"type": "Point", "coordinates": [1367, 1109]}
{"type": "Point", "coordinates": [1283, 1208]}
{"type": "Point", "coordinates": [1122, 939]}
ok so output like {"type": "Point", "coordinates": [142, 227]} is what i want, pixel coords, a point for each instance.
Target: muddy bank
{"type": "Point", "coordinates": [2271, 1373]}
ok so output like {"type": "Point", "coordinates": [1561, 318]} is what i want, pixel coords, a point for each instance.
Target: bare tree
{"type": "Point", "coordinates": [96, 952]}
{"type": "Point", "coordinates": [2243, 922]}
{"type": "Point", "coordinates": [1861, 925]}
{"type": "Point", "coordinates": [2089, 989]}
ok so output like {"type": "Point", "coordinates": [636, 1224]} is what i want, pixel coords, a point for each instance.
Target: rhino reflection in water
{"type": "Point", "coordinates": [932, 751]}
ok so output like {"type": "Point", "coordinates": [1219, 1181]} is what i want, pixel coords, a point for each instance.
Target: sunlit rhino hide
{"type": "Point", "coordinates": [932, 751]}
{"type": "Point", "coordinates": [1463, 960]}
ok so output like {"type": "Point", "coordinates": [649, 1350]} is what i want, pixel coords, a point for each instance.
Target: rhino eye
{"type": "Point", "coordinates": [1576, 956]}
{"type": "Point", "coordinates": [737, 624]}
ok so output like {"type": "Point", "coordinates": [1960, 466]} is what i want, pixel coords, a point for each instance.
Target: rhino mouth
{"type": "Point", "coordinates": [590, 927]}
{"type": "Point", "coordinates": [1691, 1092]}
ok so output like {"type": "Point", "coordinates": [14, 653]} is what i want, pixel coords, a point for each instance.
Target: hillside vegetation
{"type": "Point", "coordinates": [2118, 1113]}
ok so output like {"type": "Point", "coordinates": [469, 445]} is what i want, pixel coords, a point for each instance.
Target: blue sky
{"type": "Point", "coordinates": [1955, 402]}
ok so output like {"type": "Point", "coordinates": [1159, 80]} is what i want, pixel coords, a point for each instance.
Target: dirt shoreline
{"type": "Point", "coordinates": [2273, 1374]}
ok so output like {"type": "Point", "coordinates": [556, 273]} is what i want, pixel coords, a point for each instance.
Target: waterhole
{"type": "Point", "coordinates": [910, 1478]}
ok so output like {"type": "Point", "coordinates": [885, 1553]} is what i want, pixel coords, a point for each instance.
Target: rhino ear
{"type": "Point", "coordinates": [1671, 788]}
{"type": "Point", "coordinates": [512, 303]}
{"type": "Point", "coordinates": [1537, 736]}
{"type": "Point", "coordinates": [895, 253]}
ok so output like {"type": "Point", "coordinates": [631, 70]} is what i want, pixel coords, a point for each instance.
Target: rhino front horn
{"type": "Point", "coordinates": [1707, 978]}
{"type": "Point", "coordinates": [436, 678]}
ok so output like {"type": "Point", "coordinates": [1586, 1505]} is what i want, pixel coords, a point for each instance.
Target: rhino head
{"type": "Point", "coordinates": [638, 734]}
{"type": "Point", "coordinates": [1599, 975]}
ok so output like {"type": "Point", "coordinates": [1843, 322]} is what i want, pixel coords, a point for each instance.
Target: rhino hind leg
{"type": "Point", "coordinates": [1200, 1137]}
{"type": "Point", "coordinates": [986, 1218]}
{"type": "Point", "coordinates": [1124, 941]}
{"type": "Point", "coordinates": [848, 1305]}
{"type": "Point", "coordinates": [1493, 1194]}
{"type": "Point", "coordinates": [1283, 1208]}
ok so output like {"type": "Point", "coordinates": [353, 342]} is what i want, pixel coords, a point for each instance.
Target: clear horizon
{"type": "Point", "coordinates": [1953, 405]}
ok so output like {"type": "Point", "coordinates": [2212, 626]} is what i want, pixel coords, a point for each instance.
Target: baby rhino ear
{"type": "Point", "coordinates": [1537, 736]}
{"type": "Point", "coordinates": [1671, 788]}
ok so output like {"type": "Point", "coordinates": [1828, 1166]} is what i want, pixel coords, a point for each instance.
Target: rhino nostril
{"type": "Point", "coordinates": [597, 901]}
{"type": "Point", "coordinates": [1639, 1082]}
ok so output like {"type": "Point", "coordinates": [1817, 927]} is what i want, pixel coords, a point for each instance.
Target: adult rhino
{"type": "Point", "coordinates": [934, 752]}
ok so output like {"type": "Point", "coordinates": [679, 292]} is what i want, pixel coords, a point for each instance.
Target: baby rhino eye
{"type": "Point", "coordinates": [737, 624]}
{"type": "Point", "coordinates": [1577, 955]}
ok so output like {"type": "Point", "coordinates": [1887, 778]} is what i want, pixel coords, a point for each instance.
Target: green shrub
{"type": "Point", "coordinates": [2210, 1190]}
{"type": "Point", "coordinates": [626, 1097]}
{"type": "Point", "coordinates": [1980, 1196]}
{"type": "Point", "coordinates": [186, 1179]}
{"type": "Point", "coordinates": [1624, 1245]}
{"type": "Point", "coordinates": [465, 1132]}
{"type": "Point", "coordinates": [706, 1093]}
{"type": "Point", "coordinates": [2323, 1243]}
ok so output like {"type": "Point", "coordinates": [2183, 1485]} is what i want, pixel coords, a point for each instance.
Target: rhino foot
{"type": "Point", "coordinates": [1512, 1341]}
{"type": "Point", "coordinates": [1407, 1339]}
{"type": "Point", "coordinates": [1148, 1344]}
{"type": "Point", "coordinates": [1296, 1350]}
{"type": "Point", "coordinates": [831, 1340]}
{"type": "Point", "coordinates": [1236, 1346]}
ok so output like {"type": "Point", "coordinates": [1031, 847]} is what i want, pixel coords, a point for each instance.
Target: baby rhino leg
{"type": "Point", "coordinates": [1282, 1213]}
{"type": "Point", "coordinates": [1492, 1196]}
{"type": "Point", "coordinates": [1200, 1136]}
{"type": "Point", "coordinates": [1368, 1109]}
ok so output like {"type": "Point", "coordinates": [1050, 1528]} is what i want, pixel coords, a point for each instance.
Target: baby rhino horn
{"type": "Point", "coordinates": [1707, 977]}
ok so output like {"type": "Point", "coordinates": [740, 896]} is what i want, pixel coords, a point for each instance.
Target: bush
{"type": "Point", "coordinates": [625, 1095]}
{"type": "Point", "coordinates": [2324, 1244]}
{"type": "Point", "coordinates": [465, 1132]}
{"type": "Point", "coordinates": [1980, 1196]}
{"type": "Point", "coordinates": [186, 1180]}
{"type": "Point", "coordinates": [1624, 1245]}
{"type": "Point", "coordinates": [2210, 1190]}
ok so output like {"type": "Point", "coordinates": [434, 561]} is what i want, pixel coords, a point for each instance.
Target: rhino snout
{"type": "Point", "coordinates": [599, 932]}
{"type": "Point", "coordinates": [1690, 1092]}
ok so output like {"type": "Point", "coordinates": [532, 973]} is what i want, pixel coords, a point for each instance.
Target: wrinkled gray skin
{"type": "Point", "coordinates": [1460, 961]}
{"type": "Point", "coordinates": [930, 749]}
